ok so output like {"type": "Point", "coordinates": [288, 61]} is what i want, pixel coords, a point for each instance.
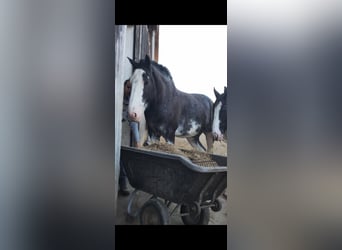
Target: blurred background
{"type": "Point", "coordinates": [284, 120]}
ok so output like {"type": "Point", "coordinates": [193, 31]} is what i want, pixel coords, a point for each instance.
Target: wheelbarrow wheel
{"type": "Point", "coordinates": [195, 218]}
{"type": "Point", "coordinates": [154, 212]}
{"type": "Point", "coordinates": [217, 206]}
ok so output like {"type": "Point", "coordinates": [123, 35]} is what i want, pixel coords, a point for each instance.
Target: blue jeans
{"type": "Point", "coordinates": [135, 131]}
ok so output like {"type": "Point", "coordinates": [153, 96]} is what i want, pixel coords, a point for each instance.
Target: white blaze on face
{"type": "Point", "coordinates": [216, 122]}
{"type": "Point", "coordinates": [136, 102]}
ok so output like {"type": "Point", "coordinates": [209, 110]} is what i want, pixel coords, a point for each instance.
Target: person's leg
{"type": "Point", "coordinates": [123, 181]}
{"type": "Point", "coordinates": [135, 131]}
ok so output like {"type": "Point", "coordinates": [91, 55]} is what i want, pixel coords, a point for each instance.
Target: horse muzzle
{"type": "Point", "coordinates": [134, 116]}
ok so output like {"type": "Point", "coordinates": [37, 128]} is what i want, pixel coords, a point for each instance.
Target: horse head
{"type": "Point", "coordinates": [220, 115]}
{"type": "Point", "coordinates": [142, 89]}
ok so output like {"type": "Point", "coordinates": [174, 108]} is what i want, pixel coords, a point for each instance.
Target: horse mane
{"type": "Point", "coordinates": [165, 71]}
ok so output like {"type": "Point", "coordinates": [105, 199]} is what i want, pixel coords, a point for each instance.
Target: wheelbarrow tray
{"type": "Point", "coordinates": [174, 177]}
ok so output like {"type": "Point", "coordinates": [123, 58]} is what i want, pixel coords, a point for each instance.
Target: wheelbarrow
{"type": "Point", "coordinates": [171, 178]}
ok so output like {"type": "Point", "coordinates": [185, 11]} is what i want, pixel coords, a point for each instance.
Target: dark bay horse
{"type": "Point", "coordinates": [220, 116]}
{"type": "Point", "coordinates": [168, 111]}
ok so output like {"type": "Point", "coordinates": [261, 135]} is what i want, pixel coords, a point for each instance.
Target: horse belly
{"type": "Point", "coordinates": [189, 130]}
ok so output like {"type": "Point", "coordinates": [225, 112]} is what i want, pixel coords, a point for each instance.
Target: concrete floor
{"type": "Point", "coordinates": [122, 218]}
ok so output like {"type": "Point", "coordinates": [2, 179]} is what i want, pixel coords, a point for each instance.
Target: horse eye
{"type": "Point", "coordinates": [146, 78]}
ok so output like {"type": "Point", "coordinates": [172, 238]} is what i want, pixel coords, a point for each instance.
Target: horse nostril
{"type": "Point", "coordinates": [133, 115]}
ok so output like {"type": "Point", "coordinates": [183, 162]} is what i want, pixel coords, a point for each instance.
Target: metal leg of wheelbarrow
{"type": "Point", "coordinates": [216, 205]}
{"type": "Point", "coordinates": [175, 208]}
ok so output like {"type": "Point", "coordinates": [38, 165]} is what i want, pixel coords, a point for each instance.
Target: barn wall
{"type": "Point", "coordinates": [129, 49]}
{"type": "Point", "coordinates": [154, 41]}
{"type": "Point", "coordinates": [142, 43]}
{"type": "Point", "coordinates": [128, 52]}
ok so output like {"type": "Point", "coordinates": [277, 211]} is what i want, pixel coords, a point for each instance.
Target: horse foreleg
{"type": "Point", "coordinates": [210, 141]}
{"type": "Point", "coordinates": [195, 143]}
{"type": "Point", "coordinates": [169, 136]}
{"type": "Point", "coordinates": [152, 139]}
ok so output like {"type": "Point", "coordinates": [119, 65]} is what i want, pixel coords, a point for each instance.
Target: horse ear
{"type": "Point", "coordinates": [147, 59]}
{"type": "Point", "coordinates": [225, 89]}
{"type": "Point", "coordinates": [217, 94]}
{"type": "Point", "coordinates": [134, 64]}
{"type": "Point", "coordinates": [148, 62]}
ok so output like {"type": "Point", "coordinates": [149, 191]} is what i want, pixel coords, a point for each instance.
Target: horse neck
{"type": "Point", "coordinates": [165, 88]}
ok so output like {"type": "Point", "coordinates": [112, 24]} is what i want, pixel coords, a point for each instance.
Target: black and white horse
{"type": "Point", "coordinates": [168, 111]}
{"type": "Point", "coordinates": [220, 116]}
